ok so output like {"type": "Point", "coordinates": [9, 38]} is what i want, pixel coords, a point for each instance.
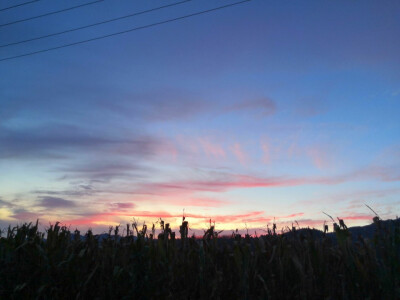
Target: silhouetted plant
{"type": "Point", "coordinates": [299, 264]}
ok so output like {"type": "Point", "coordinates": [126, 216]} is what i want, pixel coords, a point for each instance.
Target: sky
{"type": "Point", "coordinates": [262, 111]}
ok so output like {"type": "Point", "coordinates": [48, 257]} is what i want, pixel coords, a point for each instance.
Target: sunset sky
{"type": "Point", "coordinates": [262, 110]}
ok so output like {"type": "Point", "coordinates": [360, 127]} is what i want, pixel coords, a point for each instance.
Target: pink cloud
{"type": "Point", "coordinates": [318, 157]}
{"type": "Point", "coordinates": [266, 152]}
{"type": "Point", "coordinates": [218, 185]}
{"type": "Point", "coordinates": [226, 181]}
{"type": "Point", "coordinates": [211, 149]}
{"type": "Point", "coordinates": [89, 220]}
{"type": "Point", "coordinates": [197, 201]}
{"type": "Point", "coordinates": [291, 216]}
{"type": "Point", "coordinates": [183, 192]}
{"type": "Point", "coordinates": [168, 149]}
{"type": "Point", "coordinates": [240, 155]}
{"type": "Point", "coordinates": [293, 150]}
{"type": "Point", "coordinates": [357, 217]}
{"type": "Point", "coordinates": [233, 181]}
{"type": "Point", "coordinates": [232, 218]}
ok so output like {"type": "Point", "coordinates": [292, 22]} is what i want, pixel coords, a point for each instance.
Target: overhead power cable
{"type": "Point", "coordinates": [51, 13]}
{"type": "Point", "coordinates": [125, 31]}
{"type": "Point", "coordinates": [17, 5]}
{"type": "Point", "coordinates": [94, 24]}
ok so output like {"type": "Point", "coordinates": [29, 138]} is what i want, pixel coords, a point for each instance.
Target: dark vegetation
{"type": "Point", "coordinates": [300, 264]}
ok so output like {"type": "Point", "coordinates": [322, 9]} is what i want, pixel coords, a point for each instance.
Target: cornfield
{"type": "Point", "coordinates": [60, 264]}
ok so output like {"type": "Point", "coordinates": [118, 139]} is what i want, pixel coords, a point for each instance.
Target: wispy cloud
{"type": "Point", "coordinates": [240, 154]}
{"type": "Point", "coordinates": [262, 107]}
{"type": "Point", "coordinates": [291, 216]}
{"type": "Point", "coordinates": [319, 156]}
{"type": "Point", "coordinates": [160, 105]}
{"type": "Point", "coordinates": [223, 183]}
{"type": "Point", "coordinates": [55, 202]}
{"type": "Point", "coordinates": [24, 215]}
{"type": "Point", "coordinates": [102, 170]}
{"type": "Point", "coordinates": [220, 182]}
{"type": "Point", "coordinates": [61, 141]}
{"type": "Point", "coordinates": [309, 107]}
{"type": "Point", "coordinates": [357, 217]}
{"type": "Point", "coordinates": [200, 202]}
{"type": "Point", "coordinates": [72, 192]}
{"type": "Point", "coordinates": [122, 205]}
{"type": "Point", "coordinates": [4, 203]}
{"type": "Point", "coordinates": [266, 151]}
{"type": "Point", "coordinates": [211, 148]}
{"type": "Point", "coordinates": [384, 173]}
{"type": "Point", "coordinates": [356, 198]}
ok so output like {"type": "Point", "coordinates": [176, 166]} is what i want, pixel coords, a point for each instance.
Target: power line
{"type": "Point", "coordinates": [125, 31]}
{"type": "Point", "coordinates": [94, 24]}
{"type": "Point", "coordinates": [17, 5]}
{"type": "Point", "coordinates": [50, 13]}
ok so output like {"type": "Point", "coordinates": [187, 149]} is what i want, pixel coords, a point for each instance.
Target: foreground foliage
{"type": "Point", "coordinates": [298, 265]}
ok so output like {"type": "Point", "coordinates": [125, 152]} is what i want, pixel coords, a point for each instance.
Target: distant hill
{"type": "Point", "coordinates": [367, 231]}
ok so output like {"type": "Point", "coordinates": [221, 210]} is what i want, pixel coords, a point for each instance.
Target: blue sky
{"type": "Point", "coordinates": [265, 109]}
